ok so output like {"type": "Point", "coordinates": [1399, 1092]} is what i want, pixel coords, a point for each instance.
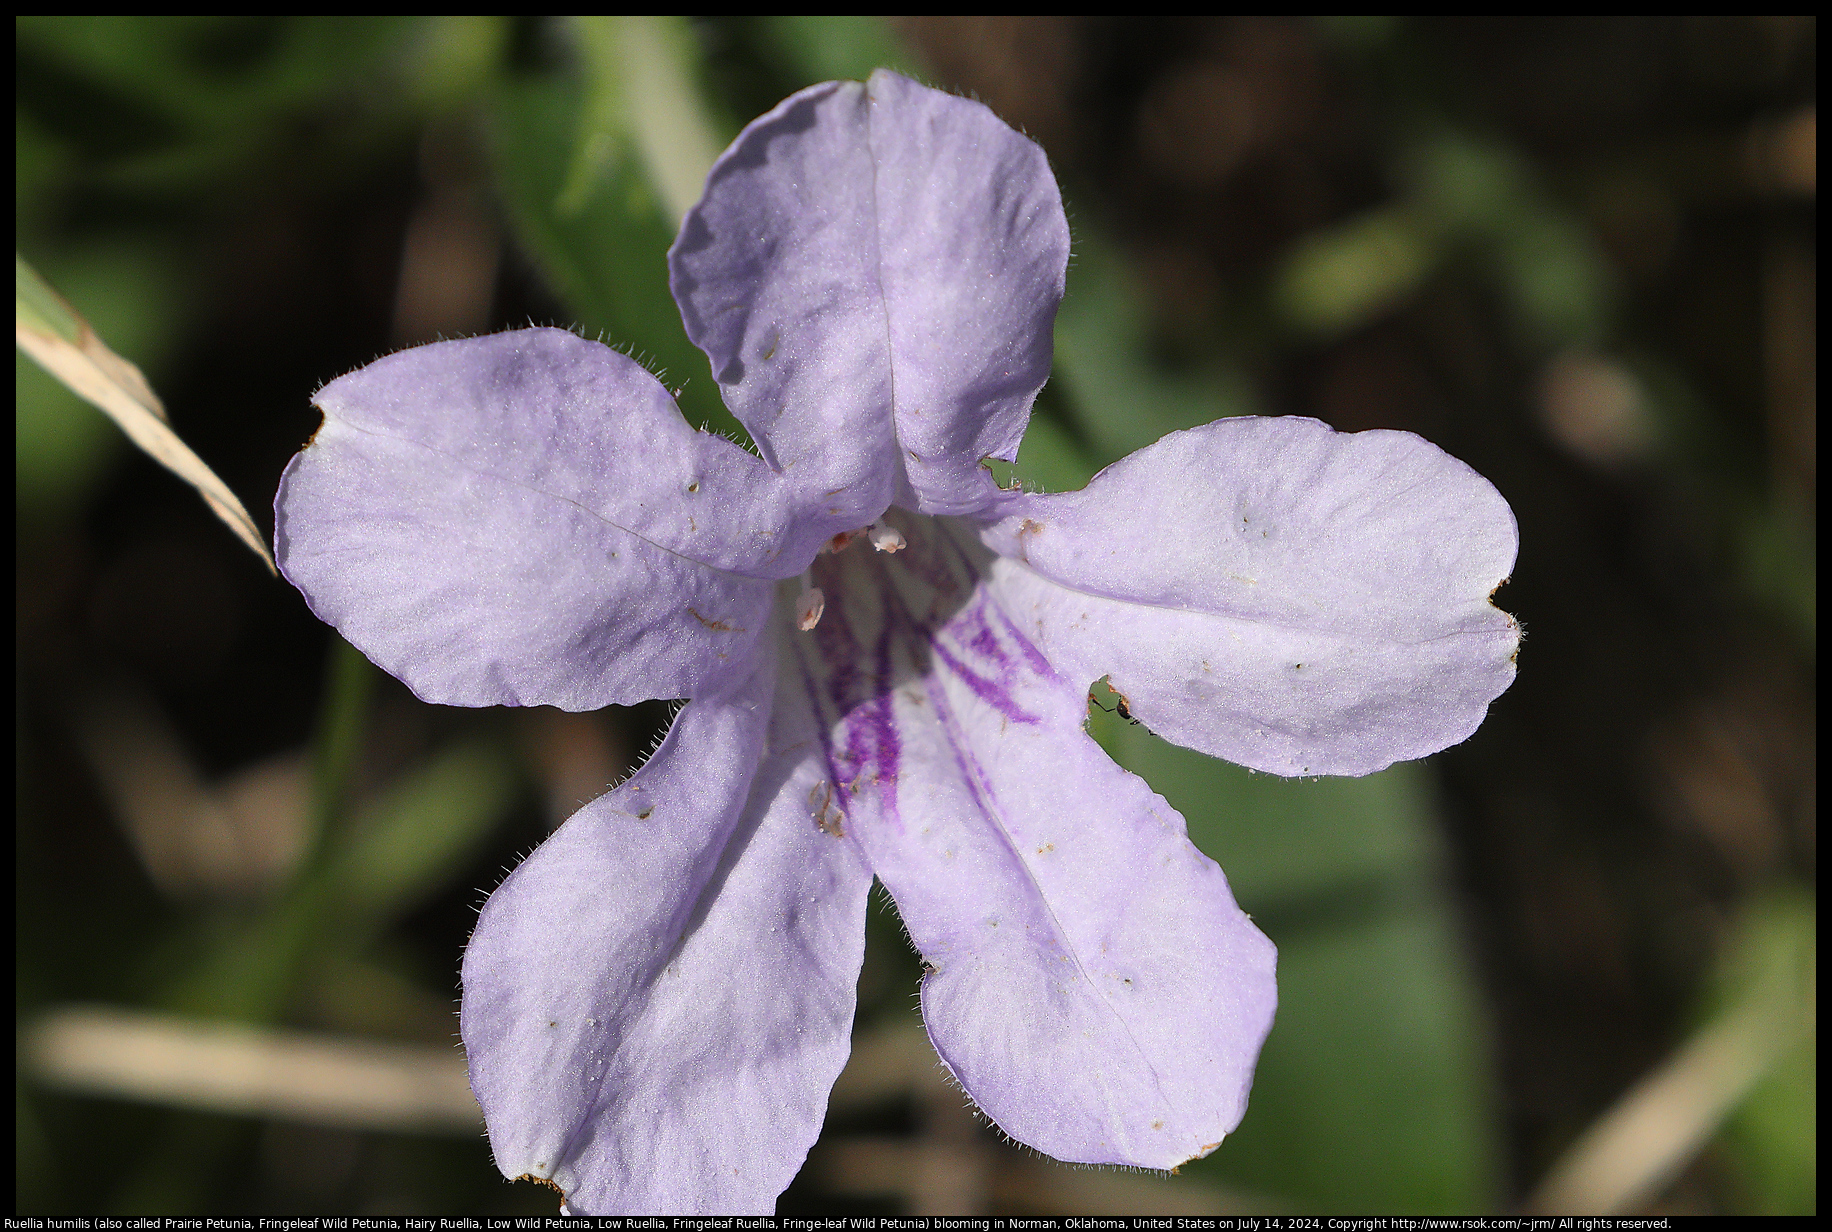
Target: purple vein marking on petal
{"type": "Point", "coordinates": [872, 743]}
{"type": "Point", "coordinates": [822, 724]}
{"type": "Point", "coordinates": [984, 642]}
{"type": "Point", "coordinates": [838, 644]}
{"type": "Point", "coordinates": [1038, 663]}
{"type": "Point", "coordinates": [981, 788]}
{"type": "Point", "coordinates": [830, 709]}
{"type": "Point", "coordinates": [859, 700]}
{"type": "Point", "coordinates": [996, 692]}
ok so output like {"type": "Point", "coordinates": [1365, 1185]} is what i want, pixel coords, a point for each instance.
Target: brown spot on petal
{"type": "Point", "coordinates": [826, 814]}
{"type": "Point", "coordinates": [717, 626]}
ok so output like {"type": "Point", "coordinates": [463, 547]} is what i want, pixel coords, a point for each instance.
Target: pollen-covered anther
{"type": "Point", "coordinates": [809, 606]}
{"type": "Point", "coordinates": [885, 537]}
{"type": "Point", "coordinates": [840, 541]}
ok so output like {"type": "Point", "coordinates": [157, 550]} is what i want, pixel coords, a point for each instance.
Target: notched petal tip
{"type": "Point", "coordinates": [511, 519]}
{"type": "Point", "coordinates": [1370, 559]}
{"type": "Point", "coordinates": [323, 419]}
{"type": "Point", "coordinates": [1203, 1152]}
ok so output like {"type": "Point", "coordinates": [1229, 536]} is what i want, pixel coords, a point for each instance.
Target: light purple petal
{"type": "Point", "coordinates": [973, 256]}
{"type": "Point", "coordinates": [657, 1001]}
{"type": "Point", "coordinates": [526, 519]}
{"type": "Point", "coordinates": [874, 273]}
{"type": "Point", "coordinates": [1095, 988]}
{"type": "Point", "coordinates": [1291, 598]}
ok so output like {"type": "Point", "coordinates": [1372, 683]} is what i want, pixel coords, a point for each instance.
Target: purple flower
{"type": "Point", "coordinates": [657, 1001]}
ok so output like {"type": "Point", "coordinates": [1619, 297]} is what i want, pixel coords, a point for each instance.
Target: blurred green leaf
{"type": "Point", "coordinates": [360, 872]}
{"type": "Point", "coordinates": [337, 743]}
{"type": "Point", "coordinates": [1462, 185]}
{"type": "Point", "coordinates": [1477, 193]}
{"type": "Point", "coordinates": [1772, 1139]}
{"type": "Point", "coordinates": [642, 79]}
{"type": "Point", "coordinates": [1344, 277]}
{"type": "Point", "coordinates": [1119, 396]}
{"type": "Point", "coordinates": [1456, 194]}
{"type": "Point", "coordinates": [452, 58]}
{"type": "Point", "coordinates": [1050, 459]}
{"type": "Point", "coordinates": [1761, 1008]}
{"type": "Point", "coordinates": [62, 446]}
{"type": "Point", "coordinates": [1557, 283]}
{"type": "Point", "coordinates": [245, 968]}
{"type": "Point", "coordinates": [41, 309]}
{"type": "Point", "coordinates": [1371, 1094]}
{"type": "Point", "coordinates": [580, 203]}
{"type": "Point", "coordinates": [410, 843]}
{"type": "Point", "coordinates": [1780, 567]}
{"type": "Point", "coordinates": [836, 47]}
{"type": "Point", "coordinates": [167, 104]}
{"type": "Point", "coordinates": [398, 850]}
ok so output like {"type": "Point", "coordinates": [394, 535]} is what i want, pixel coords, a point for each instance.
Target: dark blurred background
{"type": "Point", "coordinates": [1579, 254]}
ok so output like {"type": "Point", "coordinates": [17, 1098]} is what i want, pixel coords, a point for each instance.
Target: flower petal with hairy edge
{"type": "Point", "coordinates": [1095, 988]}
{"type": "Point", "coordinates": [658, 1000]}
{"type": "Point", "coordinates": [1294, 599]}
{"type": "Point", "coordinates": [526, 519]}
{"type": "Point", "coordinates": [874, 273]}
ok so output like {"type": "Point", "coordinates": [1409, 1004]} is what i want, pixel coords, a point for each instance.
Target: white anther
{"type": "Point", "coordinates": [809, 606]}
{"type": "Point", "coordinates": [886, 538]}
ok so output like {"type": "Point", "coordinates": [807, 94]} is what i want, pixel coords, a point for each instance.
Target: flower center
{"type": "Point", "coordinates": [813, 601]}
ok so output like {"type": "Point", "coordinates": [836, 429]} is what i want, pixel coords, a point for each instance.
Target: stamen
{"type": "Point", "coordinates": [885, 537]}
{"type": "Point", "coordinates": [810, 605]}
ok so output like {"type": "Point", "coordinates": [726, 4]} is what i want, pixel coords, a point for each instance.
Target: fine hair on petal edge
{"type": "Point", "coordinates": [979, 1114]}
{"type": "Point", "coordinates": [675, 706]}
{"type": "Point", "coordinates": [438, 338]}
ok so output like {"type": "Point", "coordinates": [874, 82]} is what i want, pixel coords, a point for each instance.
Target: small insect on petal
{"type": "Point", "coordinates": [886, 538]}
{"type": "Point", "coordinates": [1122, 707]}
